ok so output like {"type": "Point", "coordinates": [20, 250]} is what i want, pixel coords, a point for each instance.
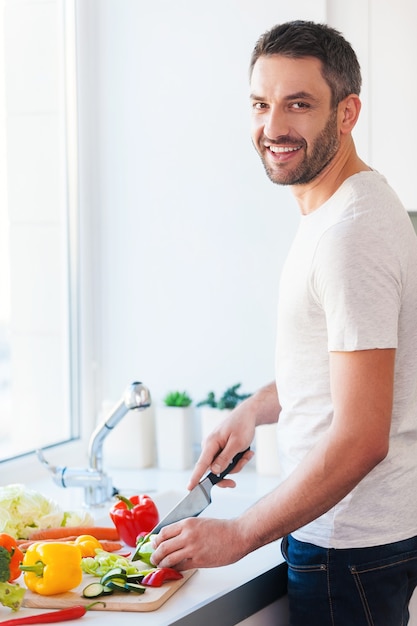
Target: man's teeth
{"type": "Point", "coordinates": [278, 149]}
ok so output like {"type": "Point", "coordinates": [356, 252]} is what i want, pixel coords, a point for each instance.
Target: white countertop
{"type": "Point", "coordinates": [206, 585]}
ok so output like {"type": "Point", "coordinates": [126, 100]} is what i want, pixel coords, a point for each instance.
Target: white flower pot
{"type": "Point", "coordinates": [210, 418]}
{"type": "Point", "coordinates": [174, 437]}
{"type": "Point", "coordinates": [131, 444]}
{"type": "Point", "coordinates": [266, 452]}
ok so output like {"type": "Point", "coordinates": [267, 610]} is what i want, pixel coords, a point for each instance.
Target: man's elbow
{"type": "Point", "coordinates": [377, 453]}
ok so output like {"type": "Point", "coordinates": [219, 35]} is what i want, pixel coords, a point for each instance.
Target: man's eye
{"type": "Point", "coordinates": [299, 105]}
{"type": "Point", "coordinates": [259, 106]}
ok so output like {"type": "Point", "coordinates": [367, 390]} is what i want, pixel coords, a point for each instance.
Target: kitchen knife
{"type": "Point", "coordinates": [193, 503]}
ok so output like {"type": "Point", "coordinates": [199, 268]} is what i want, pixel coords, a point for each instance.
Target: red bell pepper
{"type": "Point", "coordinates": [133, 516]}
{"type": "Point", "coordinates": [9, 543]}
{"type": "Point", "coordinates": [159, 576]}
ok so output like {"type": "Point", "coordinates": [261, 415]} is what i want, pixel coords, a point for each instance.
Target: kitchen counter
{"type": "Point", "coordinates": [225, 595]}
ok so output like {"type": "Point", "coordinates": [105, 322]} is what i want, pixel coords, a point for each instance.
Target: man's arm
{"type": "Point", "coordinates": [356, 441]}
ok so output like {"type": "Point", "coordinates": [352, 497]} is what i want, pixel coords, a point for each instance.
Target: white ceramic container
{"type": "Point", "coordinates": [174, 437]}
{"type": "Point", "coordinates": [266, 453]}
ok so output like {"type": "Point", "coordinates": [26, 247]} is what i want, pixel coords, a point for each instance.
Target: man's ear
{"type": "Point", "coordinates": [349, 110]}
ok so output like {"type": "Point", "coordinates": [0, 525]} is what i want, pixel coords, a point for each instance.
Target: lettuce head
{"type": "Point", "coordinates": [24, 510]}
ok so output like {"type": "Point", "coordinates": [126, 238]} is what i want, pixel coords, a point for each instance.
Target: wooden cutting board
{"type": "Point", "coordinates": [152, 599]}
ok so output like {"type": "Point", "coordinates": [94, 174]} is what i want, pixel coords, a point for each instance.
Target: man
{"type": "Point", "coordinates": [345, 395]}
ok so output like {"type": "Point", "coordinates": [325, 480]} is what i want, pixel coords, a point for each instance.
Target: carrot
{"type": "Point", "coordinates": [59, 532]}
{"type": "Point", "coordinates": [25, 543]}
{"type": "Point", "coordinates": [108, 545]}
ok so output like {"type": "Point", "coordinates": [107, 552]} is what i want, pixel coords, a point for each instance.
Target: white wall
{"type": "Point", "coordinates": [191, 234]}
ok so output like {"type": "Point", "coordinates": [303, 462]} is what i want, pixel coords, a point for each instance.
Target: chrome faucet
{"type": "Point", "coordinates": [98, 487]}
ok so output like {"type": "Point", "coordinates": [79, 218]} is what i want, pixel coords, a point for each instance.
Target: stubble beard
{"type": "Point", "coordinates": [324, 149]}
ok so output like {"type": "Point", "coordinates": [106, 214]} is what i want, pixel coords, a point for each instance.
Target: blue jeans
{"type": "Point", "coordinates": [350, 587]}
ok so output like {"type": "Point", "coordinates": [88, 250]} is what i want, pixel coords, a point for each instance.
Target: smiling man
{"type": "Point", "coordinates": [284, 119]}
{"type": "Point", "coordinates": [345, 393]}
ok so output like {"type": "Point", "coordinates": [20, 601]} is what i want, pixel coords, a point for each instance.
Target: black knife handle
{"type": "Point", "coordinates": [215, 478]}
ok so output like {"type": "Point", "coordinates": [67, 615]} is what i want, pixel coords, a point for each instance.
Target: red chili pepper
{"type": "Point", "coordinates": [9, 543]}
{"type": "Point", "coordinates": [161, 575]}
{"type": "Point", "coordinates": [62, 615]}
{"type": "Point", "coordinates": [134, 515]}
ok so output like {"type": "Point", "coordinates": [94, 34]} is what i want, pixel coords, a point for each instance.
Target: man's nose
{"type": "Point", "coordinates": [276, 125]}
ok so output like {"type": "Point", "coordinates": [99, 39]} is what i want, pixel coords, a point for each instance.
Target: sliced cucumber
{"type": "Point", "coordinates": [135, 578]}
{"type": "Point", "coordinates": [135, 587]}
{"type": "Point", "coordinates": [118, 573]}
{"type": "Point", "coordinates": [94, 590]}
{"type": "Point", "coordinates": [118, 586]}
{"type": "Point", "coordinates": [116, 580]}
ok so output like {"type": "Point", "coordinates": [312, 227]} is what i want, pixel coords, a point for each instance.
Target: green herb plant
{"type": "Point", "coordinates": [177, 398]}
{"type": "Point", "coordinates": [229, 400]}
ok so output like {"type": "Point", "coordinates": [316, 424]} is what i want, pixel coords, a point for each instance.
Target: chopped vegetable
{"type": "Point", "coordinates": [158, 576]}
{"type": "Point", "coordinates": [103, 562]}
{"type": "Point", "coordinates": [51, 568]}
{"type": "Point", "coordinates": [62, 615]}
{"type": "Point", "coordinates": [23, 511]}
{"type": "Point", "coordinates": [116, 580]}
{"type": "Point", "coordinates": [11, 595]}
{"type": "Point", "coordinates": [117, 585]}
{"type": "Point", "coordinates": [145, 549]}
{"type": "Point", "coordinates": [94, 590]}
{"type": "Point", "coordinates": [15, 557]}
{"type": "Point", "coordinates": [133, 516]}
{"type": "Point", "coordinates": [117, 573]}
{"type": "Point", "coordinates": [135, 587]}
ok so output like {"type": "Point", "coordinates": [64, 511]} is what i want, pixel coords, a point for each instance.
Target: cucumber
{"type": "Point", "coordinates": [118, 573]}
{"type": "Point", "coordinates": [95, 590]}
{"type": "Point", "coordinates": [135, 587]}
{"type": "Point", "coordinates": [116, 585]}
{"type": "Point", "coordinates": [115, 580]}
{"type": "Point", "coordinates": [135, 578]}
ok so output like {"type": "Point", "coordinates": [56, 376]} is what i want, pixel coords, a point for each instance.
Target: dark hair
{"type": "Point", "coordinates": [297, 39]}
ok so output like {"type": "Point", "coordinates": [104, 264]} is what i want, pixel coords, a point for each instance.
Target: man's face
{"type": "Point", "coordinates": [294, 127]}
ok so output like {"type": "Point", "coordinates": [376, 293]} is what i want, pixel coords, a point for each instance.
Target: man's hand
{"type": "Point", "coordinates": [234, 434]}
{"type": "Point", "coordinates": [197, 542]}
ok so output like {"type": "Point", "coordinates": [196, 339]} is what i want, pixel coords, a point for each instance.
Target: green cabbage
{"type": "Point", "coordinates": [23, 511]}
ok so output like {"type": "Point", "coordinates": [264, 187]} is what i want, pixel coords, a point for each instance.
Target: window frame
{"type": "Point", "coordinates": [80, 352]}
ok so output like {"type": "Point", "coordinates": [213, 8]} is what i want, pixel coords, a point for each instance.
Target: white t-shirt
{"type": "Point", "coordinates": [350, 283]}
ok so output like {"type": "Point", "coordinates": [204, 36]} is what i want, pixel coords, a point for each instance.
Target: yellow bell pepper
{"type": "Point", "coordinates": [52, 567]}
{"type": "Point", "coordinates": [88, 545]}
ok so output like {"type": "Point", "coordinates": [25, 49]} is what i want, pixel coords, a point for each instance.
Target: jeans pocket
{"type": "Point", "coordinates": [385, 587]}
{"type": "Point", "coordinates": [313, 565]}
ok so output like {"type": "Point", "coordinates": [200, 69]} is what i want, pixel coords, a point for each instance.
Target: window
{"type": "Point", "coordinates": [39, 390]}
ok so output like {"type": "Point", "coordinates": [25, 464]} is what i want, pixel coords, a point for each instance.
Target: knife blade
{"type": "Point", "coordinates": [193, 503]}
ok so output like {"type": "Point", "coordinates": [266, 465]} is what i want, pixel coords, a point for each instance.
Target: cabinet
{"type": "Point", "coordinates": [276, 613]}
{"type": "Point", "coordinates": [383, 35]}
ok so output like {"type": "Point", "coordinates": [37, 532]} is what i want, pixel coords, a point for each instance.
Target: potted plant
{"type": "Point", "coordinates": [174, 431]}
{"type": "Point", "coordinates": [213, 410]}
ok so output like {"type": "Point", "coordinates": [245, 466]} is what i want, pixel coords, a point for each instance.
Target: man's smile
{"type": "Point", "coordinates": [280, 149]}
